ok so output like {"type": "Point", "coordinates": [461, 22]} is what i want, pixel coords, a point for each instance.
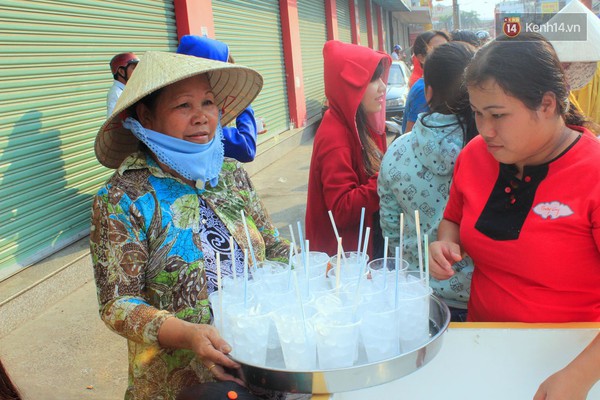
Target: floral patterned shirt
{"type": "Point", "coordinates": [147, 250]}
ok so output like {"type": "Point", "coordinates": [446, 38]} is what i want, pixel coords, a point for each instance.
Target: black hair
{"type": "Point", "coordinates": [370, 152]}
{"type": "Point", "coordinates": [443, 72]}
{"type": "Point", "coordinates": [463, 35]}
{"type": "Point", "coordinates": [421, 44]}
{"type": "Point", "coordinates": [8, 391]}
{"type": "Point", "coordinates": [525, 67]}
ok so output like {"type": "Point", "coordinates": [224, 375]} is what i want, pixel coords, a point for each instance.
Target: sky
{"type": "Point", "coordinates": [485, 8]}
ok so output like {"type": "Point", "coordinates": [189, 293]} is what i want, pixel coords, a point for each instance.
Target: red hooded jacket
{"type": "Point", "coordinates": [337, 180]}
{"type": "Point", "coordinates": [417, 72]}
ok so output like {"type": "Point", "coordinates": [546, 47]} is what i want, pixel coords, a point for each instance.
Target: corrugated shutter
{"type": "Point", "coordinates": [313, 35]}
{"type": "Point", "coordinates": [252, 29]}
{"type": "Point", "coordinates": [385, 17]}
{"type": "Point", "coordinates": [54, 76]}
{"type": "Point", "coordinates": [343, 20]}
{"type": "Point", "coordinates": [362, 18]}
{"type": "Point", "coordinates": [375, 28]}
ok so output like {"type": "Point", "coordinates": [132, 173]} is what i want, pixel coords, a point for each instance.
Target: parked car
{"type": "Point", "coordinates": [397, 90]}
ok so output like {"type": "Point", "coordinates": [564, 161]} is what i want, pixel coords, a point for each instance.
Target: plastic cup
{"type": "Point", "coordinates": [367, 291]}
{"type": "Point", "coordinates": [224, 322]}
{"type": "Point", "coordinates": [314, 286]}
{"type": "Point", "coordinates": [317, 262]}
{"type": "Point", "coordinates": [384, 278]}
{"type": "Point", "coordinates": [413, 305]}
{"type": "Point", "coordinates": [352, 264]}
{"type": "Point", "coordinates": [337, 335]}
{"type": "Point", "coordinates": [234, 289]}
{"type": "Point", "coordinates": [297, 337]}
{"type": "Point", "coordinates": [270, 301]}
{"type": "Point", "coordinates": [272, 275]}
{"type": "Point", "coordinates": [250, 330]}
{"type": "Point", "coordinates": [380, 333]}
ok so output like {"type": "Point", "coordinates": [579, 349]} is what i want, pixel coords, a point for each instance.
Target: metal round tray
{"type": "Point", "coordinates": [359, 376]}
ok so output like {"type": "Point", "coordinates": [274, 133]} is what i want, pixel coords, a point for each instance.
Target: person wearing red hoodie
{"type": "Point", "coordinates": [348, 148]}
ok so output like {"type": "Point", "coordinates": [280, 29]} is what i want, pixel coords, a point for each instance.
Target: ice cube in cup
{"type": "Point", "coordinates": [379, 331]}
{"type": "Point", "coordinates": [297, 337]}
{"type": "Point", "coordinates": [250, 328]}
{"type": "Point", "coordinates": [337, 336]}
{"type": "Point", "coordinates": [383, 273]}
{"type": "Point", "coordinates": [413, 316]}
{"type": "Point", "coordinates": [224, 322]}
{"type": "Point", "coordinates": [317, 262]}
{"type": "Point", "coordinates": [352, 264]}
{"type": "Point", "coordinates": [272, 275]}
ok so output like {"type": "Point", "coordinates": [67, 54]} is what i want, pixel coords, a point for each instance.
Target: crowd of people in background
{"type": "Point", "coordinates": [494, 156]}
{"type": "Point", "coordinates": [490, 140]}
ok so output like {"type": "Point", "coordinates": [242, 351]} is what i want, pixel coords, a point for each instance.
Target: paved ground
{"type": "Point", "coordinates": [66, 352]}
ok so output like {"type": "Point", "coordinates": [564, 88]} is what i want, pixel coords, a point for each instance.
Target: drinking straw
{"type": "Point", "coordinates": [366, 242]}
{"type": "Point", "coordinates": [306, 246]}
{"type": "Point", "coordinates": [248, 238]}
{"type": "Point", "coordinates": [397, 277]}
{"type": "Point", "coordinates": [418, 227]}
{"type": "Point", "coordinates": [292, 234]}
{"type": "Point", "coordinates": [303, 250]}
{"type": "Point", "coordinates": [335, 231]}
{"type": "Point", "coordinates": [401, 236]}
{"type": "Point", "coordinates": [245, 278]}
{"type": "Point", "coordinates": [362, 220]}
{"type": "Point", "coordinates": [338, 269]}
{"type": "Point", "coordinates": [292, 246]}
{"type": "Point", "coordinates": [220, 292]}
{"type": "Point", "coordinates": [232, 249]}
{"type": "Point", "coordinates": [426, 260]}
{"type": "Point", "coordinates": [385, 251]}
{"type": "Point", "coordinates": [358, 280]}
{"type": "Point", "coordinates": [299, 297]}
{"type": "Point", "coordinates": [365, 246]}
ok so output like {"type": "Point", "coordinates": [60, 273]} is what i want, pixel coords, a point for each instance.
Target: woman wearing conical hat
{"type": "Point", "coordinates": [172, 204]}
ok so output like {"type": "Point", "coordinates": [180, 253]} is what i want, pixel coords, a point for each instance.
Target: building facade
{"type": "Point", "coordinates": [55, 76]}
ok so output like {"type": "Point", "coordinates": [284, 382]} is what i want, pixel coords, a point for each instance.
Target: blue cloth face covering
{"type": "Point", "coordinates": [197, 162]}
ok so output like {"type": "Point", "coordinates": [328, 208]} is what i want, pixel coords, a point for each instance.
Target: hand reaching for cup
{"type": "Point", "coordinates": [442, 255]}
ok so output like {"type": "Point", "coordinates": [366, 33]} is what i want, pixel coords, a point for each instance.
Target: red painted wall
{"type": "Point", "coordinates": [331, 16]}
{"type": "Point", "coordinates": [369, 23]}
{"type": "Point", "coordinates": [290, 30]}
{"type": "Point", "coordinates": [194, 17]}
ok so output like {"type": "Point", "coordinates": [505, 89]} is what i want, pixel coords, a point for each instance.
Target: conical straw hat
{"type": "Point", "coordinates": [234, 86]}
{"type": "Point", "coordinates": [578, 50]}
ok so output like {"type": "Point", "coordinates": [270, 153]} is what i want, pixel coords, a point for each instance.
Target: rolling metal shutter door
{"type": "Point", "coordinates": [343, 19]}
{"type": "Point", "coordinates": [375, 28]}
{"type": "Point", "coordinates": [362, 18]}
{"type": "Point", "coordinates": [252, 29]}
{"type": "Point", "coordinates": [55, 76]}
{"type": "Point", "coordinates": [313, 35]}
{"type": "Point", "coordinates": [385, 19]}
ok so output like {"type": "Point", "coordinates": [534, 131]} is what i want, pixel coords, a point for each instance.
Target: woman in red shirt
{"type": "Point", "coordinates": [525, 202]}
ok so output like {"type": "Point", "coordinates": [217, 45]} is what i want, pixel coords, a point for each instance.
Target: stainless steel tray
{"type": "Point", "coordinates": [359, 376]}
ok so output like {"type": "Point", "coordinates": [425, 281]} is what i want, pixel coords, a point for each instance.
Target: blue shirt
{"type": "Point", "coordinates": [240, 142]}
{"type": "Point", "coordinates": [415, 103]}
